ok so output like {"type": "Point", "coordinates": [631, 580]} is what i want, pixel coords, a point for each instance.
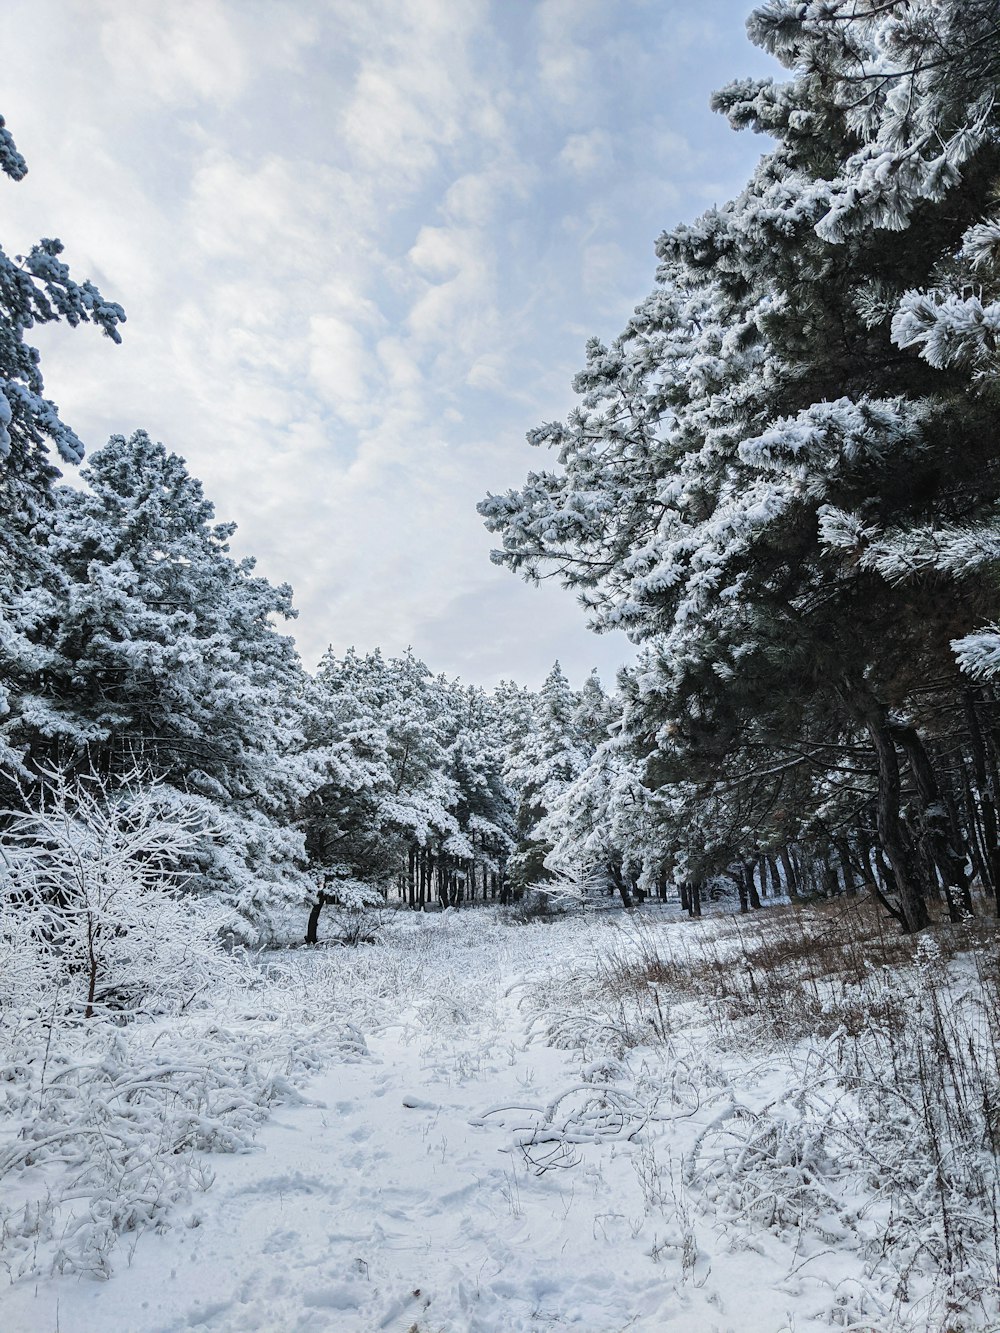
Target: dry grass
{"type": "Point", "coordinates": [882, 1134]}
{"type": "Point", "coordinates": [786, 972]}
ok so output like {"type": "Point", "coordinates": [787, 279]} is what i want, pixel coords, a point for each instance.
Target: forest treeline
{"type": "Point", "coordinates": [138, 654]}
{"type": "Point", "coordinates": [144, 668]}
{"type": "Point", "coordinates": [782, 479]}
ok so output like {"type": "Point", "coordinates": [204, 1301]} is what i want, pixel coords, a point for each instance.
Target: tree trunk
{"type": "Point", "coordinates": [741, 888]}
{"type": "Point", "coordinates": [791, 881]}
{"type": "Point", "coordinates": [762, 875]}
{"type": "Point", "coordinates": [772, 870]}
{"type": "Point", "coordinates": [961, 839]}
{"type": "Point", "coordinates": [618, 879]}
{"type": "Point", "coordinates": [751, 887]}
{"type": "Point", "coordinates": [847, 867]}
{"type": "Point", "coordinates": [987, 794]}
{"type": "Point", "coordinates": [891, 832]}
{"type": "Point", "coordinates": [91, 965]}
{"type": "Point", "coordinates": [950, 864]}
{"type": "Point", "coordinates": [977, 839]}
{"type": "Point", "coordinates": [312, 926]}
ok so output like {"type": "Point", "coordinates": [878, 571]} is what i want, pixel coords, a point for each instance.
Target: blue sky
{"type": "Point", "coordinates": [361, 244]}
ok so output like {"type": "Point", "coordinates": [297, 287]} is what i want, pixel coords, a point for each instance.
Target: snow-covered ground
{"type": "Point", "coordinates": [473, 1127]}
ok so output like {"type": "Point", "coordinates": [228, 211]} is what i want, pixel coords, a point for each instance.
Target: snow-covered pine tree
{"type": "Point", "coordinates": [37, 289]}
{"type": "Point", "coordinates": [34, 289]}
{"type": "Point", "coordinates": [539, 771]}
{"type": "Point", "coordinates": [484, 804]}
{"type": "Point", "coordinates": [394, 715]}
{"type": "Point", "coordinates": [595, 825]}
{"type": "Point", "coordinates": [353, 857]}
{"type": "Point", "coordinates": [594, 714]}
{"type": "Point", "coordinates": [158, 649]}
{"type": "Point", "coordinates": [738, 444]}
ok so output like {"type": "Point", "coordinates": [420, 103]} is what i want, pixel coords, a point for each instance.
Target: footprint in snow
{"type": "Point", "coordinates": [279, 1240]}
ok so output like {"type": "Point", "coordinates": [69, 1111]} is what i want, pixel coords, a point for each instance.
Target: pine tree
{"type": "Point", "coordinates": [484, 805]}
{"type": "Point", "coordinates": [158, 649]}
{"type": "Point", "coordinates": [391, 718]}
{"type": "Point", "coordinates": [550, 758]}
{"type": "Point", "coordinates": [759, 446]}
{"type": "Point", "coordinates": [37, 289]}
{"type": "Point", "coordinates": [34, 289]}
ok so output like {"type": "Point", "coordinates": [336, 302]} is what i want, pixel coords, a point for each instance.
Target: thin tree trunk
{"type": "Point", "coordinates": [961, 838]}
{"type": "Point", "coordinates": [791, 882]}
{"type": "Point", "coordinates": [847, 866]}
{"type": "Point", "coordinates": [977, 841]}
{"type": "Point", "coordinates": [772, 870]}
{"type": "Point", "coordinates": [891, 832]}
{"type": "Point", "coordinates": [91, 966]}
{"type": "Point", "coordinates": [618, 879]}
{"type": "Point", "coordinates": [950, 864]}
{"type": "Point", "coordinates": [751, 887]}
{"type": "Point", "coordinates": [312, 925]}
{"type": "Point", "coordinates": [762, 874]}
{"type": "Point", "coordinates": [741, 888]}
{"type": "Point", "coordinates": [987, 793]}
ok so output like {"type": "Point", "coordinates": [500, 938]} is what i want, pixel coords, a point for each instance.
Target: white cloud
{"type": "Point", "coordinates": [400, 365]}
{"type": "Point", "coordinates": [602, 268]}
{"type": "Point", "coordinates": [566, 66]}
{"type": "Point", "coordinates": [673, 148]}
{"type": "Point", "coordinates": [489, 372]}
{"type": "Point", "coordinates": [415, 92]}
{"type": "Point", "coordinates": [455, 301]}
{"type": "Point", "coordinates": [180, 53]}
{"type": "Point", "coordinates": [339, 363]}
{"type": "Point", "coordinates": [337, 229]}
{"type": "Point", "coordinates": [193, 51]}
{"type": "Point", "coordinates": [476, 198]}
{"type": "Point", "coordinates": [278, 216]}
{"type": "Point", "coordinates": [587, 154]}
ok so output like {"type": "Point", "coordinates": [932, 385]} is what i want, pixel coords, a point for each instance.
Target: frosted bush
{"type": "Point", "coordinates": [109, 1127]}
{"type": "Point", "coordinates": [92, 911]}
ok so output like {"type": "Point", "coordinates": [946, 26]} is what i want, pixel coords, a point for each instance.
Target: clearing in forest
{"type": "Point", "coordinates": [601, 1123]}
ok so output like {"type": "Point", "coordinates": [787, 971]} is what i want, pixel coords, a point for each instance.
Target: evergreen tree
{"type": "Point", "coordinates": [37, 289]}
{"type": "Point", "coordinates": [34, 289]}
{"type": "Point", "coordinates": [392, 716]}
{"type": "Point", "coordinates": [550, 758]}
{"type": "Point", "coordinates": [157, 648]}
{"type": "Point", "coordinates": [484, 807]}
{"type": "Point", "coordinates": [762, 442]}
{"type": "Point", "coordinates": [594, 714]}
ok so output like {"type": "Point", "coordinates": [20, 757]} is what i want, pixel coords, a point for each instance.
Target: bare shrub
{"type": "Point", "coordinates": [91, 907]}
{"type": "Point", "coordinates": [111, 1127]}
{"type": "Point", "coordinates": [107, 1118]}
{"type": "Point", "coordinates": [883, 1139]}
{"type": "Point", "coordinates": [562, 895]}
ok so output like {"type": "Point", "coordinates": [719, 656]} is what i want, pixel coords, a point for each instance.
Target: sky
{"type": "Point", "coordinates": [361, 245]}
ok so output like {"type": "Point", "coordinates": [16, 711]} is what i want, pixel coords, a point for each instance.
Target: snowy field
{"type": "Point", "coordinates": [595, 1123]}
